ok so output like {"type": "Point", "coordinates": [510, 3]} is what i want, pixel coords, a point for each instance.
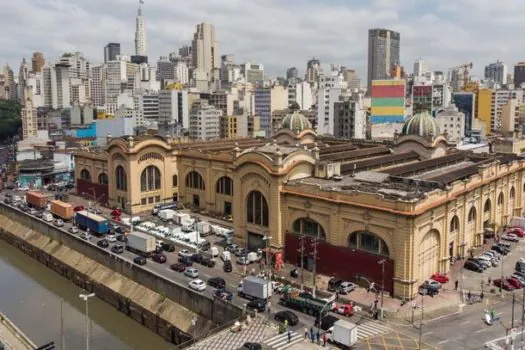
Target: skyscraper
{"type": "Point", "coordinates": [111, 51]}
{"type": "Point", "coordinates": [420, 68]}
{"type": "Point", "coordinates": [37, 62]}
{"type": "Point", "coordinates": [383, 53]}
{"type": "Point", "coordinates": [205, 50]}
{"type": "Point", "coordinates": [313, 69]}
{"type": "Point", "coordinates": [291, 73]}
{"type": "Point", "coordinates": [496, 72]}
{"type": "Point", "coordinates": [140, 33]}
{"type": "Point", "coordinates": [519, 74]}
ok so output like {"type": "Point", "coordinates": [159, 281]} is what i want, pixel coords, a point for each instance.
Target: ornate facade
{"type": "Point", "coordinates": [410, 205]}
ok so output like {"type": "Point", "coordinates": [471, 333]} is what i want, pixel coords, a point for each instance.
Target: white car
{"type": "Point", "coordinates": [17, 198]}
{"type": "Point", "coordinates": [59, 222]}
{"type": "Point", "coordinates": [192, 272]}
{"type": "Point", "coordinates": [510, 237]}
{"type": "Point", "coordinates": [111, 238]}
{"type": "Point", "coordinates": [73, 229]}
{"type": "Point", "coordinates": [185, 253]}
{"type": "Point", "coordinates": [346, 287]}
{"type": "Point", "coordinates": [24, 188]}
{"type": "Point", "coordinates": [198, 285]}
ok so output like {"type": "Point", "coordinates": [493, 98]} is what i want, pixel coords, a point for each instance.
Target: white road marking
{"type": "Point", "coordinates": [481, 330]}
{"type": "Point", "coordinates": [444, 341]}
{"type": "Point", "coordinates": [427, 333]}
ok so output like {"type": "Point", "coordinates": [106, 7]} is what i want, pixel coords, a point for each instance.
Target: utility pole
{"type": "Point", "coordinates": [382, 262]}
{"type": "Point", "coordinates": [513, 303]}
{"type": "Point", "coordinates": [301, 250]}
{"type": "Point", "coordinates": [422, 292]}
{"type": "Point", "coordinates": [522, 316]}
{"type": "Point", "coordinates": [63, 336]}
{"type": "Point", "coordinates": [315, 256]}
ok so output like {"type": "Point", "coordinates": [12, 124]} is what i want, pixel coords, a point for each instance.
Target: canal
{"type": "Point", "coordinates": [31, 295]}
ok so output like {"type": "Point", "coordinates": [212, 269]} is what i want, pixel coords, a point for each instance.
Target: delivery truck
{"type": "Point", "coordinates": [36, 200]}
{"type": "Point", "coordinates": [252, 287]}
{"type": "Point", "coordinates": [343, 333]}
{"type": "Point", "coordinates": [179, 218]}
{"type": "Point", "coordinates": [62, 210]}
{"type": "Point", "coordinates": [141, 244]}
{"type": "Point", "coordinates": [166, 214]}
{"type": "Point", "coordinates": [96, 224]}
{"type": "Point", "coordinates": [204, 228]}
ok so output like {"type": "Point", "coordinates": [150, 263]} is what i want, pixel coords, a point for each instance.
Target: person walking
{"type": "Point", "coordinates": [312, 335]}
{"type": "Point", "coordinates": [289, 336]}
{"type": "Point", "coordinates": [324, 339]}
{"type": "Point", "coordinates": [490, 280]}
{"type": "Point", "coordinates": [318, 337]}
{"type": "Point", "coordinates": [305, 332]}
{"type": "Point", "coordinates": [269, 307]}
{"type": "Point", "coordinates": [469, 295]}
{"type": "Point", "coordinates": [456, 285]}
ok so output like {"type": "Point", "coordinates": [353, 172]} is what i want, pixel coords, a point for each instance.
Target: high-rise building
{"type": "Point", "coordinates": [421, 98]}
{"type": "Point", "coordinates": [150, 105]}
{"type": "Point", "coordinates": [29, 122]}
{"type": "Point", "coordinates": [173, 107]}
{"type": "Point", "coordinates": [350, 117]}
{"type": "Point", "coordinates": [205, 121]}
{"type": "Point", "coordinates": [383, 54]}
{"type": "Point", "coordinates": [313, 70]}
{"type": "Point", "coordinates": [23, 75]}
{"type": "Point", "coordinates": [37, 62]}
{"type": "Point", "coordinates": [292, 73]}
{"type": "Point", "coordinates": [205, 50]}
{"type": "Point", "coordinates": [140, 33]}
{"type": "Point", "coordinates": [510, 116]}
{"type": "Point", "coordinates": [111, 51]}
{"type": "Point", "coordinates": [496, 72]}
{"type": "Point", "coordinates": [519, 74]}
{"type": "Point", "coordinates": [98, 82]}
{"type": "Point", "coordinates": [79, 75]}
{"type": "Point", "coordinates": [352, 78]}
{"type": "Point", "coordinates": [10, 84]}
{"type": "Point", "coordinates": [267, 100]}
{"type": "Point", "coordinates": [252, 72]}
{"type": "Point", "coordinates": [300, 93]}
{"type": "Point", "coordinates": [182, 73]}
{"type": "Point", "coordinates": [388, 101]}
{"type": "Point", "coordinates": [465, 102]}
{"type": "Point", "coordinates": [441, 95]}
{"type": "Point", "coordinates": [451, 121]}
{"type": "Point", "coordinates": [330, 89]}
{"type": "Point", "coordinates": [499, 99]}
{"type": "Point", "coordinates": [420, 68]}
{"type": "Point", "coordinates": [165, 69]}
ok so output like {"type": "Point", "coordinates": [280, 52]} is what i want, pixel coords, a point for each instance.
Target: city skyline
{"type": "Point", "coordinates": [318, 28]}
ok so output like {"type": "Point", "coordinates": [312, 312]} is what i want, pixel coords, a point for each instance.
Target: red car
{"type": "Point", "coordinates": [440, 277]}
{"type": "Point", "coordinates": [514, 282]}
{"type": "Point", "coordinates": [116, 212]}
{"type": "Point", "coordinates": [79, 208]}
{"type": "Point", "coordinates": [116, 218]}
{"type": "Point", "coordinates": [506, 285]}
{"type": "Point", "coordinates": [179, 267]}
{"type": "Point", "coordinates": [518, 231]}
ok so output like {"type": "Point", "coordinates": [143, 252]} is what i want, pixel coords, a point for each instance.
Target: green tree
{"type": "Point", "coordinates": [10, 119]}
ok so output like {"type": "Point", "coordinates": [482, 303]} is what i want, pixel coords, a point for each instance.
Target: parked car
{"type": "Point", "coordinates": [346, 287]}
{"type": "Point", "coordinates": [59, 223]}
{"type": "Point", "coordinates": [111, 238]}
{"type": "Point", "coordinates": [334, 283]}
{"type": "Point", "coordinates": [516, 283]}
{"type": "Point", "coordinates": [117, 249]}
{"type": "Point", "coordinates": [140, 260]}
{"type": "Point", "coordinates": [432, 284]}
{"type": "Point", "coordinates": [518, 231]}
{"type": "Point", "coordinates": [478, 262]}
{"type": "Point", "coordinates": [223, 294]}
{"type": "Point", "coordinates": [116, 212]}
{"type": "Point", "coordinates": [472, 266]}
{"type": "Point", "coordinates": [197, 285]}
{"type": "Point", "coordinates": [179, 267]}
{"type": "Point", "coordinates": [73, 229]}
{"type": "Point", "coordinates": [251, 346]}
{"type": "Point", "coordinates": [227, 267]}
{"type": "Point", "coordinates": [185, 253]}
{"type": "Point", "coordinates": [159, 258]}
{"type": "Point", "coordinates": [510, 237]}
{"type": "Point", "coordinates": [208, 262]}
{"type": "Point", "coordinates": [520, 266]}
{"type": "Point", "coordinates": [33, 212]}
{"type": "Point", "coordinates": [243, 260]}
{"type": "Point", "coordinates": [505, 284]}
{"type": "Point", "coordinates": [191, 272]}
{"type": "Point", "coordinates": [287, 315]}
{"type": "Point", "coordinates": [197, 257]}
{"type": "Point", "coordinates": [103, 243]}
{"type": "Point", "coordinates": [122, 238]}
{"type": "Point", "coordinates": [519, 278]}
{"type": "Point", "coordinates": [232, 248]}
{"type": "Point", "coordinates": [78, 208]}
{"type": "Point", "coordinates": [185, 260]}
{"type": "Point", "coordinates": [500, 249]}
{"type": "Point", "coordinates": [257, 304]}
{"type": "Point", "coordinates": [217, 282]}
{"type": "Point", "coordinates": [168, 247]}
{"type": "Point", "coordinates": [240, 251]}
{"type": "Point", "coordinates": [440, 277]}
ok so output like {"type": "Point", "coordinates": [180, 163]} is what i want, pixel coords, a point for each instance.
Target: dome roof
{"type": "Point", "coordinates": [296, 122]}
{"type": "Point", "coordinates": [422, 124]}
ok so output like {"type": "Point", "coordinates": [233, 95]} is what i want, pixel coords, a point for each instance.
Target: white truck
{"type": "Point", "coordinates": [141, 244]}
{"type": "Point", "coordinates": [252, 287]}
{"type": "Point", "coordinates": [188, 225]}
{"type": "Point", "coordinates": [166, 214]}
{"type": "Point", "coordinates": [204, 228]}
{"type": "Point", "coordinates": [343, 333]}
{"type": "Point", "coordinates": [179, 218]}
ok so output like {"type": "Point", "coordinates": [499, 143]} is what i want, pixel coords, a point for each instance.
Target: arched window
{"type": "Point", "coordinates": [257, 209]}
{"type": "Point", "coordinates": [486, 208]}
{"type": "Point", "coordinates": [103, 179]}
{"type": "Point", "coordinates": [120, 178]}
{"type": "Point", "coordinates": [472, 215]}
{"type": "Point", "coordinates": [512, 193]}
{"type": "Point", "coordinates": [224, 186]}
{"type": "Point", "coordinates": [150, 179]}
{"type": "Point", "coordinates": [195, 180]}
{"type": "Point", "coordinates": [369, 242]}
{"type": "Point", "coordinates": [85, 175]}
{"type": "Point", "coordinates": [309, 227]}
{"type": "Point", "coordinates": [454, 224]}
{"type": "Point", "coordinates": [500, 199]}
{"type": "Point", "coordinates": [174, 180]}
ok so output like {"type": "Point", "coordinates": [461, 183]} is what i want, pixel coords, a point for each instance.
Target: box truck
{"type": "Point", "coordinates": [36, 200]}
{"type": "Point", "coordinates": [141, 244]}
{"type": "Point", "coordinates": [343, 333]}
{"type": "Point", "coordinates": [517, 221]}
{"type": "Point", "coordinates": [96, 224]}
{"type": "Point", "coordinates": [166, 214]}
{"type": "Point", "coordinates": [62, 210]}
{"type": "Point", "coordinates": [252, 287]}
{"type": "Point", "coordinates": [179, 218]}
{"type": "Point", "coordinates": [204, 228]}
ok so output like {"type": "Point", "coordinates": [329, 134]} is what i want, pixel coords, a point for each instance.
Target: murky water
{"type": "Point", "coordinates": [31, 294]}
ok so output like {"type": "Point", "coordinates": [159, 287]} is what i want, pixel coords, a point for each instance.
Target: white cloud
{"type": "Point", "coordinates": [277, 33]}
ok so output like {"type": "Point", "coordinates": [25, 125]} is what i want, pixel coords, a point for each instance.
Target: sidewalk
{"type": "Point", "coordinates": [12, 337]}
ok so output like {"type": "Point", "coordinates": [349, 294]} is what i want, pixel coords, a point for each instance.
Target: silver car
{"type": "Point", "coordinates": [192, 272]}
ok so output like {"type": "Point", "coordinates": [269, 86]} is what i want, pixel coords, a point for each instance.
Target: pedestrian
{"type": "Point", "coordinates": [318, 337]}
{"type": "Point", "coordinates": [305, 332]}
{"type": "Point", "coordinates": [490, 280]}
{"type": "Point", "coordinates": [337, 296]}
{"type": "Point", "coordinates": [289, 336]}
{"type": "Point", "coordinates": [324, 339]}
{"type": "Point", "coordinates": [312, 334]}
{"type": "Point", "coordinates": [481, 296]}
{"type": "Point", "coordinates": [469, 295]}
{"type": "Point", "coordinates": [269, 307]}
{"type": "Point", "coordinates": [456, 285]}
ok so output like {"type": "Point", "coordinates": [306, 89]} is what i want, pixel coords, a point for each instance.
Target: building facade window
{"type": "Point", "coordinates": [472, 215]}
{"type": "Point", "coordinates": [195, 180]}
{"type": "Point", "coordinates": [309, 227]}
{"type": "Point", "coordinates": [120, 178]}
{"type": "Point", "coordinates": [454, 224]}
{"type": "Point", "coordinates": [500, 199]}
{"type": "Point", "coordinates": [103, 179]}
{"type": "Point", "coordinates": [257, 209]}
{"type": "Point", "coordinates": [486, 208]}
{"type": "Point", "coordinates": [369, 242]}
{"type": "Point", "coordinates": [85, 175]}
{"type": "Point", "coordinates": [174, 180]}
{"type": "Point", "coordinates": [225, 186]}
{"type": "Point", "coordinates": [150, 179]}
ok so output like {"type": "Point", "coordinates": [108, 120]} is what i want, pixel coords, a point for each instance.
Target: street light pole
{"type": "Point", "coordinates": [423, 292]}
{"type": "Point", "coordinates": [314, 274]}
{"type": "Point", "coordinates": [86, 297]}
{"type": "Point", "coordinates": [267, 238]}
{"type": "Point", "coordinates": [382, 262]}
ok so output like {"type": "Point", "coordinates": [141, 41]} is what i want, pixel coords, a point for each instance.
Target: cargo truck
{"type": "Point", "coordinates": [343, 333]}
{"type": "Point", "coordinates": [36, 199]}
{"type": "Point", "coordinates": [252, 287]}
{"type": "Point", "coordinates": [141, 244]}
{"type": "Point", "coordinates": [62, 210]}
{"type": "Point", "coordinates": [517, 221]}
{"type": "Point", "coordinates": [96, 224]}
{"type": "Point", "coordinates": [166, 214]}
{"type": "Point", "coordinates": [179, 218]}
{"type": "Point", "coordinates": [204, 228]}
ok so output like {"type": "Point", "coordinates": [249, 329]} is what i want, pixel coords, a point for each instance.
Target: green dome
{"type": "Point", "coordinates": [422, 124]}
{"type": "Point", "coordinates": [296, 122]}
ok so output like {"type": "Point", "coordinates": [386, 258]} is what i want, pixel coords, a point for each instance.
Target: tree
{"type": "Point", "coordinates": [10, 119]}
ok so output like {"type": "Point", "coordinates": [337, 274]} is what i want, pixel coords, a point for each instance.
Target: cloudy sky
{"type": "Point", "coordinates": [277, 33]}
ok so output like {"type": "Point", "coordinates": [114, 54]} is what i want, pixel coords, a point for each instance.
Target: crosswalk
{"type": "Point", "coordinates": [365, 330]}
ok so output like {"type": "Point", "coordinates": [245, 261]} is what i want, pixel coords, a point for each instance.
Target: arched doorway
{"type": "Point", "coordinates": [257, 214]}
{"type": "Point", "coordinates": [429, 249]}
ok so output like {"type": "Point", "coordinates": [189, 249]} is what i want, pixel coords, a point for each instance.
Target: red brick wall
{"type": "Point", "coordinates": [101, 191]}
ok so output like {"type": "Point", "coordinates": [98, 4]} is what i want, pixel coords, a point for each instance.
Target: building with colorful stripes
{"type": "Point", "coordinates": [388, 101]}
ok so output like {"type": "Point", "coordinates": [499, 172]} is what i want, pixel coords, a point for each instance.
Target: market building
{"type": "Point", "coordinates": [396, 211]}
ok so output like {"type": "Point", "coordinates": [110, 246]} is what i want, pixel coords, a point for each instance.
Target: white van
{"type": "Point", "coordinates": [48, 217]}
{"type": "Point", "coordinates": [226, 256]}
{"type": "Point", "coordinates": [214, 251]}
{"type": "Point", "coordinates": [85, 236]}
